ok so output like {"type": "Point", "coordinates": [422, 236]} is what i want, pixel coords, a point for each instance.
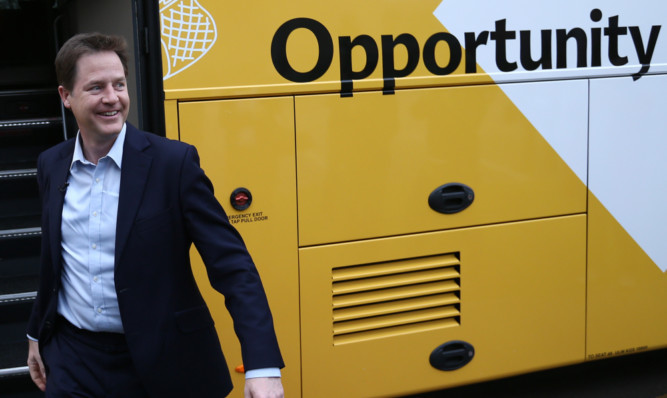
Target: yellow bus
{"type": "Point", "coordinates": [442, 192]}
{"type": "Point", "coordinates": [436, 193]}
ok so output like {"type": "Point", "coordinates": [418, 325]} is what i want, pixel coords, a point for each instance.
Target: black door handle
{"type": "Point", "coordinates": [451, 198]}
{"type": "Point", "coordinates": [452, 355]}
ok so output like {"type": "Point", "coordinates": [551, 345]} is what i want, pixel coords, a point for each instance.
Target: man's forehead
{"type": "Point", "coordinates": [100, 66]}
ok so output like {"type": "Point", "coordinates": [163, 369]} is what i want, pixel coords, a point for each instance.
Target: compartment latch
{"type": "Point", "coordinates": [452, 355]}
{"type": "Point", "coordinates": [451, 198]}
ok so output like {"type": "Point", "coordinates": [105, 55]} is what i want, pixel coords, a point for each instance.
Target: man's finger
{"type": "Point", "coordinates": [264, 387]}
{"type": "Point", "coordinates": [37, 374]}
{"type": "Point", "coordinates": [36, 366]}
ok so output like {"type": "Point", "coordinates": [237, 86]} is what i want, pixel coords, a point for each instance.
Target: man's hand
{"type": "Point", "coordinates": [264, 387]}
{"type": "Point", "coordinates": [36, 365]}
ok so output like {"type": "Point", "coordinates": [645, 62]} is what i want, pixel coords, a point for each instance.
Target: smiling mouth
{"type": "Point", "coordinates": [112, 113]}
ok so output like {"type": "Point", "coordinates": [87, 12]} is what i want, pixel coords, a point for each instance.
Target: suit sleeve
{"type": "Point", "coordinates": [37, 310]}
{"type": "Point", "coordinates": [230, 268]}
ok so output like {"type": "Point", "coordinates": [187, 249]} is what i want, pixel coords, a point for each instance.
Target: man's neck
{"type": "Point", "coordinates": [94, 150]}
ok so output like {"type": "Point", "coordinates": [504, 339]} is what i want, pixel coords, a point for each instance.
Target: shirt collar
{"type": "Point", "coordinates": [115, 153]}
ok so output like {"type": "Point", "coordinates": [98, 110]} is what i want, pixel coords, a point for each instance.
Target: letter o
{"type": "Point", "coordinates": [455, 53]}
{"type": "Point", "coordinates": [279, 50]}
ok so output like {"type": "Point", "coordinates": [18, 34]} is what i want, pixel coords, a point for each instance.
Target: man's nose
{"type": "Point", "coordinates": [109, 95]}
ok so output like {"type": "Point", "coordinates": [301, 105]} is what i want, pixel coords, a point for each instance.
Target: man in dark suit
{"type": "Point", "coordinates": [118, 312]}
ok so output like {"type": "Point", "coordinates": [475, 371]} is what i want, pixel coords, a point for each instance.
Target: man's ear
{"type": "Point", "coordinates": [64, 96]}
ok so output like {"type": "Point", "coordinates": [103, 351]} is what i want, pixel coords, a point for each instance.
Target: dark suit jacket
{"type": "Point", "coordinates": [166, 203]}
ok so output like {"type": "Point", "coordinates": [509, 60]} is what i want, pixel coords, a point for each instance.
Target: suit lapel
{"type": "Point", "coordinates": [56, 199]}
{"type": "Point", "coordinates": [133, 176]}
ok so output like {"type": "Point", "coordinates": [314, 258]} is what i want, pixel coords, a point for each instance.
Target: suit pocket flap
{"type": "Point", "coordinates": [194, 319]}
{"type": "Point", "coordinates": [156, 222]}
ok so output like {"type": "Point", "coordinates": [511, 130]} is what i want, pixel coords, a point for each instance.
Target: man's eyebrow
{"type": "Point", "coordinates": [102, 81]}
{"type": "Point", "coordinates": [93, 83]}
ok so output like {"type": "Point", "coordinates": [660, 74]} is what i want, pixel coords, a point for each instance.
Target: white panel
{"type": "Point", "coordinates": [476, 16]}
{"type": "Point", "coordinates": [628, 157]}
{"type": "Point", "coordinates": [559, 111]}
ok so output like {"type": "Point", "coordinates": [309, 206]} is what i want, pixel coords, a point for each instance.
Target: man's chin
{"type": "Point", "coordinates": [112, 129]}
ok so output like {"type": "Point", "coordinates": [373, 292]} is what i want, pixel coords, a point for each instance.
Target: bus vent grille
{"type": "Point", "coordinates": [399, 297]}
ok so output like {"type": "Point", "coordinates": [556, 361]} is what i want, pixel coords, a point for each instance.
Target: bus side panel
{"type": "Point", "coordinates": [250, 144]}
{"type": "Point", "coordinates": [368, 164]}
{"type": "Point", "coordinates": [373, 311]}
{"type": "Point", "coordinates": [627, 272]}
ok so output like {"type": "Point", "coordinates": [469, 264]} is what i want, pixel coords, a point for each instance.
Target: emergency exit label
{"type": "Point", "coordinates": [245, 218]}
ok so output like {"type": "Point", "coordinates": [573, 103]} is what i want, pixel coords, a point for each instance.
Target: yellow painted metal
{"type": "Point", "coordinates": [364, 279]}
{"type": "Point", "coordinates": [627, 292]}
{"type": "Point", "coordinates": [171, 119]}
{"type": "Point", "coordinates": [237, 58]}
{"type": "Point", "coordinates": [521, 304]}
{"type": "Point", "coordinates": [250, 143]}
{"type": "Point", "coordinates": [367, 164]}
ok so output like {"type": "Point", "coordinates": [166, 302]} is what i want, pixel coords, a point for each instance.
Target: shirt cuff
{"type": "Point", "coordinates": [263, 372]}
{"type": "Point", "coordinates": [31, 338]}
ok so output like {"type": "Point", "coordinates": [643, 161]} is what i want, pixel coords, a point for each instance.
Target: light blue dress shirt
{"type": "Point", "coordinates": [88, 295]}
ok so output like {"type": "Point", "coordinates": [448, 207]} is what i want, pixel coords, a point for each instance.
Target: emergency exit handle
{"type": "Point", "coordinates": [451, 198]}
{"type": "Point", "coordinates": [452, 355]}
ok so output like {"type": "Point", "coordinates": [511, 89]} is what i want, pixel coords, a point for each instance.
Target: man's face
{"type": "Point", "coordinates": [99, 98]}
